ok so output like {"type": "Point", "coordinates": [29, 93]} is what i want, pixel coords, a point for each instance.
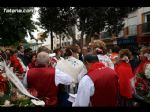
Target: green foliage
{"type": "Point", "coordinates": [91, 19]}
{"type": "Point", "coordinates": [57, 20]}
{"type": "Point", "coordinates": [26, 102]}
{"type": "Point", "coordinates": [95, 19]}
{"type": "Point", "coordinates": [142, 75]}
{"type": "Point", "coordinates": [7, 94]}
{"type": "Point", "coordinates": [14, 26]}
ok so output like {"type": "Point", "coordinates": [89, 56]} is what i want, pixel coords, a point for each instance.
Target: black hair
{"type": "Point", "coordinates": [27, 50]}
{"type": "Point", "coordinates": [90, 58]}
{"type": "Point", "coordinates": [19, 47]}
{"type": "Point", "coordinates": [116, 49]}
{"type": "Point", "coordinates": [56, 50]}
{"type": "Point", "coordinates": [70, 50]}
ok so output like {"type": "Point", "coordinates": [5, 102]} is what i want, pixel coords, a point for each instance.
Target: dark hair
{"type": "Point", "coordinates": [27, 50]}
{"type": "Point", "coordinates": [31, 56]}
{"type": "Point", "coordinates": [56, 50]}
{"type": "Point", "coordinates": [19, 47]}
{"type": "Point", "coordinates": [70, 50]}
{"type": "Point", "coordinates": [125, 52]}
{"type": "Point", "coordinates": [116, 49]}
{"type": "Point", "coordinates": [90, 58]}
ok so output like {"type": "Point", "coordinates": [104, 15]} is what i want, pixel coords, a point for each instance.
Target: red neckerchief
{"type": "Point", "coordinates": [96, 66]}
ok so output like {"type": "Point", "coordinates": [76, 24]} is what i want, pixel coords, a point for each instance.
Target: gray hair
{"type": "Point", "coordinates": [43, 58]}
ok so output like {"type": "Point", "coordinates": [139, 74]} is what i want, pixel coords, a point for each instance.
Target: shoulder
{"type": "Point", "coordinates": [86, 79]}
{"type": "Point", "coordinates": [86, 83]}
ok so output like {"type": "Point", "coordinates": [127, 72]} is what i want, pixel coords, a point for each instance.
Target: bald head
{"type": "Point", "coordinates": [43, 58]}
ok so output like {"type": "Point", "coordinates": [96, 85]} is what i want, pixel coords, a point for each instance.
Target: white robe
{"type": "Point", "coordinates": [73, 67]}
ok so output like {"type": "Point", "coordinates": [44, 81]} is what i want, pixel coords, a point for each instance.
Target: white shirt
{"type": "Point", "coordinates": [85, 91]}
{"type": "Point", "coordinates": [106, 60]}
{"type": "Point", "coordinates": [60, 78]}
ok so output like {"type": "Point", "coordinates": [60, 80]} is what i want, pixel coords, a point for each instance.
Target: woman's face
{"type": "Point", "coordinates": [94, 51]}
{"type": "Point", "coordinates": [59, 53]}
{"type": "Point", "coordinates": [34, 58]}
{"type": "Point", "coordinates": [76, 55]}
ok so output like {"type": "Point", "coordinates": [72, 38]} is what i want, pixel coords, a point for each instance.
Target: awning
{"type": "Point", "coordinates": [126, 41]}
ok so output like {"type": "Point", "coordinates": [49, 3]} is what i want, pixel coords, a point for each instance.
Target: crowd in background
{"type": "Point", "coordinates": [97, 77]}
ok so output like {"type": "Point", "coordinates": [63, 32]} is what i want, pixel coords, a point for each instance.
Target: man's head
{"type": "Point", "coordinates": [28, 52]}
{"type": "Point", "coordinates": [84, 50]}
{"type": "Point", "coordinates": [43, 48]}
{"type": "Point", "coordinates": [20, 48]}
{"type": "Point", "coordinates": [43, 58]}
{"type": "Point", "coordinates": [89, 60]}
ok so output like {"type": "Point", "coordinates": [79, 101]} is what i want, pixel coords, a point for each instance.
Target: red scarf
{"type": "Point", "coordinates": [96, 66]}
{"type": "Point", "coordinates": [124, 72]}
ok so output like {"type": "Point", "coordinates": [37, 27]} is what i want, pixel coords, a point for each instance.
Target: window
{"type": "Point", "coordinates": [147, 17]}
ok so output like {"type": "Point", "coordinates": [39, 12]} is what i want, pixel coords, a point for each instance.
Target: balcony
{"type": "Point", "coordinates": [146, 28]}
{"type": "Point", "coordinates": [132, 30]}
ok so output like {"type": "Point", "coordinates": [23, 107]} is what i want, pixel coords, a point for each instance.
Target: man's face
{"type": "Point", "coordinates": [22, 49]}
{"type": "Point", "coordinates": [87, 65]}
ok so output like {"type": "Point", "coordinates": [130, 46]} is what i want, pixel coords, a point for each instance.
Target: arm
{"type": "Point", "coordinates": [62, 78]}
{"type": "Point", "coordinates": [85, 91]}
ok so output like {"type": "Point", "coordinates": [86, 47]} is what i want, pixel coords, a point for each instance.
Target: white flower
{"type": "Point", "coordinates": [38, 102]}
{"type": "Point", "coordinates": [7, 103]}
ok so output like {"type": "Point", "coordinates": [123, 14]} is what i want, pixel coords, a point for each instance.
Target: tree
{"type": "Point", "coordinates": [115, 17]}
{"type": "Point", "coordinates": [57, 20]}
{"type": "Point", "coordinates": [95, 19]}
{"type": "Point", "coordinates": [92, 20]}
{"type": "Point", "coordinates": [14, 26]}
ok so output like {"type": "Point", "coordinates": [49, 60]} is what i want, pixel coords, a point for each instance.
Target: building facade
{"type": "Point", "coordinates": [136, 31]}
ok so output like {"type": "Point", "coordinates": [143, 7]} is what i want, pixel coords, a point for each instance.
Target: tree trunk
{"type": "Point", "coordinates": [81, 44]}
{"type": "Point", "coordinates": [88, 39]}
{"type": "Point", "coordinates": [51, 40]}
{"type": "Point", "coordinates": [60, 41]}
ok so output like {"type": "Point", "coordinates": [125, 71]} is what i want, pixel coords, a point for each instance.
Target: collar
{"type": "Point", "coordinates": [95, 66]}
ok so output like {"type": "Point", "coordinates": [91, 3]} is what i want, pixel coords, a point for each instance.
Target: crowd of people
{"type": "Point", "coordinates": [93, 75]}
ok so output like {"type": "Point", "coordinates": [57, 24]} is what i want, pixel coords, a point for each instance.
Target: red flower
{"type": "Point", "coordinates": [3, 82]}
{"type": "Point", "coordinates": [136, 84]}
{"type": "Point", "coordinates": [16, 64]}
